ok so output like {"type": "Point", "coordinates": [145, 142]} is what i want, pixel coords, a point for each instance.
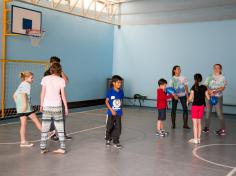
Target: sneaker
{"type": "Point", "coordinates": [26, 144]}
{"type": "Point", "coordinates": [43, 151]}
{"type": "Point", "coordinates": [193, 141]}
{"type": "Point", "coordinates": [159, 133]}
{"type": "Point", "coordinates": [54, 138]}
{"type": "Point", "coordinates": [68, 138]}
{"type": "Point", "coordinates": [108, 143]}
{"type": "Point", "coordinates": [118, 146]}
{"type": "Point", "coordinates": [205, 130]}
{"type": "Point", "coordinates": [220, 132]}
{"type": "Point", "coordinates": [198, 141]}
{"type": "Point", "coordinates": [186, 127]}
{"type": "Point", "coordinates": [165, 132]}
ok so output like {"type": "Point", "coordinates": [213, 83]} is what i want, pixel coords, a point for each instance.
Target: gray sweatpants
{"type": "Point", "coordinates": [219, 112]}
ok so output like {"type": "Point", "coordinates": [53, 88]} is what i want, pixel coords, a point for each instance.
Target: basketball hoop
{"type": "Point", "coordinates": [35, 36]}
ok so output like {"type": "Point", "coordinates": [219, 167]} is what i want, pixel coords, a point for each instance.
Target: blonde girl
{"type": "Point", "coordinates": [23, 106]}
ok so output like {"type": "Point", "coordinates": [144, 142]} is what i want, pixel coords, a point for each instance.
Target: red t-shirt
{"type": "Point", "coordinates": [162, 98]}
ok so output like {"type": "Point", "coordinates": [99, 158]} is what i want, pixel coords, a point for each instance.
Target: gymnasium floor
{"type": "Point", "coordinates": [144, 154]}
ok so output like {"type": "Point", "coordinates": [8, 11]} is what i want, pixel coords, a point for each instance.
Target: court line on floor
{"type": "Point", "coordinates": [211, 162]}
{"type": "Point", "coordinates": [76, 132]}
{"type": "Point", "coordinates": [232, 172]}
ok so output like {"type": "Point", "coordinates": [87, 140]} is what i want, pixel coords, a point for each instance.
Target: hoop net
{"type": "Point", "coordinates": [35, 36]}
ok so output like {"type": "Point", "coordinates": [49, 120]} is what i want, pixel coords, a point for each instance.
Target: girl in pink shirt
{"type": "Point", "coordinates": [51, 106]}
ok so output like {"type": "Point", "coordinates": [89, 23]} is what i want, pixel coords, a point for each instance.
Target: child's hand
{"type": "Point", "coordinates": [175, 97]}
{"type": "Point", "coordinates": [41, 108]}
{"type": "Point", "coordinates": [113, 113]}
{"type": "Point", "coordinates": [66, 111]}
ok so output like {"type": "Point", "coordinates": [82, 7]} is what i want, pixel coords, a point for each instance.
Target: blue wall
{"type": "Point", "coordinates": [85, 47]}
{"type": "Point", "coordinates": [143, 54]}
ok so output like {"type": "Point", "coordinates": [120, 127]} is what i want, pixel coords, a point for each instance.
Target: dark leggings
{"type": "Point", "coordinates": [183, 101]}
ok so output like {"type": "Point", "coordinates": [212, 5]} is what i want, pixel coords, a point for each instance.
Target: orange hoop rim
{"type": "Point", "coordinates": [34, 32]}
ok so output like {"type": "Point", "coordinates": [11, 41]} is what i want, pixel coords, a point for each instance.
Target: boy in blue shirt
{"type": "Point", "coordinates": [114, 113]}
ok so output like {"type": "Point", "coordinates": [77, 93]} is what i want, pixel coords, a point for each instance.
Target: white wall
{"type": "Point", "coordinates": [143, 54]}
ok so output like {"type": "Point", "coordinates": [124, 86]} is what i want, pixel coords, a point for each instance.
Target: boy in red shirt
{"type": "Point", "coordinates": [162, 98]}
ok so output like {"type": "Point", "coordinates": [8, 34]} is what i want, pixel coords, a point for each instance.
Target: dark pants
{"type": "Point", "coordinates": [183, 101]}
{"type": "Point", "coordinates": [113, 128]}
{"type": "Point", "coordinates": [52, 127]}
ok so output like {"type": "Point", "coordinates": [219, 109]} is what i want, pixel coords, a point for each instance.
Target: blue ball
{"type": "Point", "coordinates": [214, 100]}
{"type": "Point", "coordinates": [170, 90]}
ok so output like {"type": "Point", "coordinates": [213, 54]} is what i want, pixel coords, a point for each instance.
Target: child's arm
{"type": "Point", "coordinates": [42, 97]}
{"type": "Point", "coordinates": [169, 96]}
{"type": "Point", "coordinates": [109, 107]}
{"type": "Point", "coordinates": [14, 97]}
{"type": "Point", "coordinates": [191, 96]}
{"type": "Point", "coordinates": [24, 102]}
{"type": "Point", "coordinates": [63, 96]}
{"type": "Point", "coordinates": [65, 77]}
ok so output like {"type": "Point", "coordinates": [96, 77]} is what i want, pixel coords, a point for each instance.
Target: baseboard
{"type": "Point", "coordinates": [86, 103]}
{"type": "Point", "coordinates": [71, 105]}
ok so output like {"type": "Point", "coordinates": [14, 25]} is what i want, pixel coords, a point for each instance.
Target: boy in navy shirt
{"type": "Point", "coordinates": [114, 113]}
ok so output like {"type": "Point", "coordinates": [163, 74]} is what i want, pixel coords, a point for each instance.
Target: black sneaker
{"type": "Point", "coordinates": [159, 133]}
{"type": "Point", "coordinates": [118, 146]}
{"type": "Point", "coordinates": [205, 130]}
{"type": "Point", "coordinates": [68, 138]}
{"type": "Point", "coordinates": [108, 143]}
{"type": "Point", "coordinates": [164, 132]}
{"type": "Point", "coordinates": [186, 127]}
{"type": "Point", "coordinates": [54, 138]}
{"type": "Point", "coordinates": [220, 132]}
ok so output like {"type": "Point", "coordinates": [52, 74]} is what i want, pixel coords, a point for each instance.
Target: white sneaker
{"type": "Point", "coordinates": [118, 146]}
{"type": "Point", "coordinates": [26, 144]}
{"type": "Point", "coordinates": [193, 141]}
{"type": "Point", "coordinates": [198, 141]}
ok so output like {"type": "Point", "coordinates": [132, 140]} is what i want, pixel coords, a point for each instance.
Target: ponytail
{"type": "Point", "coordinates": [25, 74]}
{"type": "Point", "coordinates": [197, 79]}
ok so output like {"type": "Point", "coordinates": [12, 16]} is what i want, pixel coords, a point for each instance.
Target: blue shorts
{"type": "Point", "coordinates": [162, 114]}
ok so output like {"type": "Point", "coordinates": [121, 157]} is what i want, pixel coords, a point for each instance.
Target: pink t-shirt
{"type": "Point", "coordinates": [53, 86]}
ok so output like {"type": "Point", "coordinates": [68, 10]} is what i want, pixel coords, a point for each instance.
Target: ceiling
{"type": "Point", "coordinates": [144, 12]}
{"type": "Point", "coordinates": [141, 12]}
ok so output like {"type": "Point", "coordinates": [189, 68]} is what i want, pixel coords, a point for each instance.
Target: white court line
{"type": "Point", "coordinates": [76, 132]}
{"type": "Point", "coordinates": [211, 162]}
{"type": "Point", "coordinates": [82, 112]}
{"type": "Point", "coordinates": [232, 172]}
